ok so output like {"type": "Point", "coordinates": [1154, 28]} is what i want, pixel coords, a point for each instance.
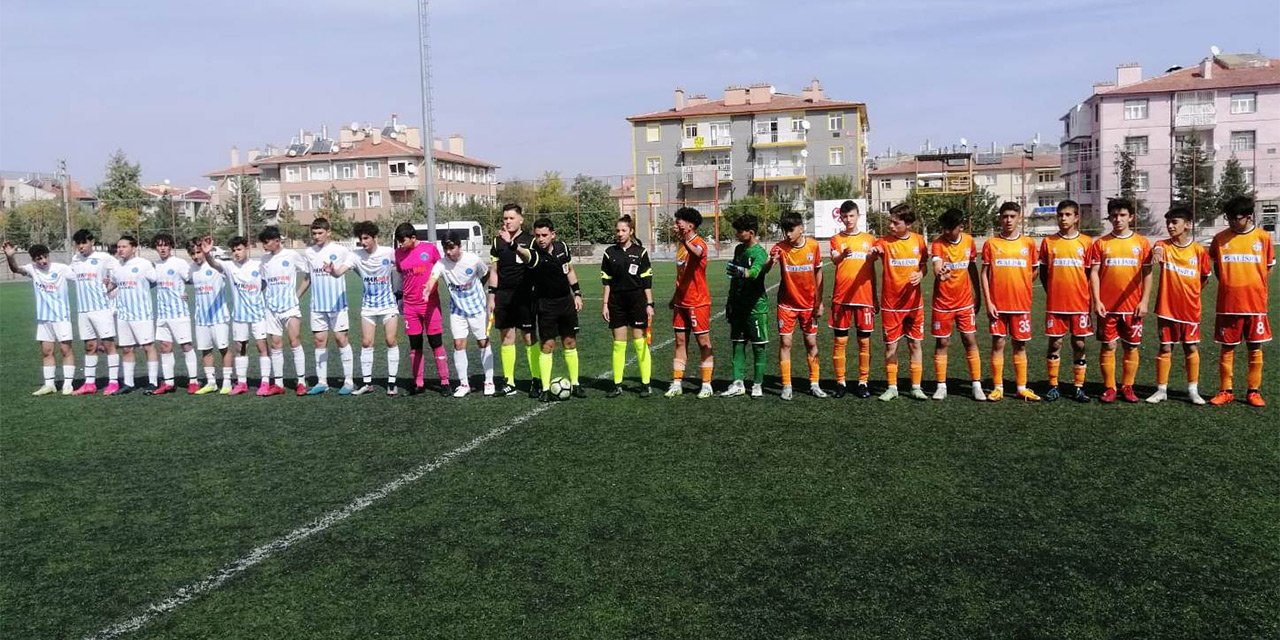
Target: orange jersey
{"type": "Point", "coordinates": [1066, 281]}
{"type": "Point", "coordinates": [1120, 263]}
{"type": "Point", "coordinates": [1010, 268]}
{"type": "Point", "coordinates": [691, 275]}
{"type": "Point", "coordinates": [800, 267]}
{"type": "Point", "coordinates": [855, 272]}
{"type": "Point", "coordinates": [955, 292]}
{"type": "Point", "coordinates": [1242, 261]}
{"type": "Point", "coordinates": [1181, 274]}
{"type": "Point", "coordinates": [902, 257]}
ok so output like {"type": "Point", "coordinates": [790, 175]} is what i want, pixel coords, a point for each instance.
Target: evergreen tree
{"type": "Point", "coordinates": [1127, 171]}
{"type": "Point", "coordinates": [335, 212]}
{"type": "Point", "coordinates": [1193, 179]}
{"type": "Point", "coordinates": [598, 211]}
{"type": "Point", "coordinates": [122, 186]}
{"type": "Point", "coordinates": [1232, 183]}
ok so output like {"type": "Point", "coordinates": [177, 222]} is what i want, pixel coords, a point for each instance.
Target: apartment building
{"type": "Point", "coordinates": [1033, 180]}
{"type": "Point", "coordinates": [1231, 102]}
{"type": "Point", "coordinates": [17, 187]}
{"type": "Point", "coordinates": [188, 202]}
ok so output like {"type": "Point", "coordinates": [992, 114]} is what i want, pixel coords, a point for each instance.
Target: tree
{"type": "Point", "coordinates": [335, 212]}
{"type": "Point", "coordinates": [835, 187]}
{"type": "Point", "coordinates": [118, 222]}
{"type": "Point", "coordinates": [1232, 183]}
{"type": "Point", "coordinates": [1127, 172]}
{"type": "Point", "coordinates": [244, 193]}
{"type": "Point", "coordinates": [1193, 179]}
{"type": "Point", "coordinates": [550, 195]}
{"type": "Point", "coordinates": [766, 210]}
{"type": "Point", "coordinates": [36, 222]}
{"type": "Point", "coordinates": [517, 191]}
{"type": "Point", "coordinates": [287, 221]}
{"type": "Point", "coordinates": [979, 207]}
{"type": "Point", "coordinates": [597, 209]}
{"type": "Point", "coordinates": [122, 186]}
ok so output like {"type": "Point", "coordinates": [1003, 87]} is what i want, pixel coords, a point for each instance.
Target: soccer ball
{"type": "Point", "coordinates": [560, 389]}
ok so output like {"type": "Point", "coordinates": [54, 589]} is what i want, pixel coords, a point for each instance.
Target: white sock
{"type": "Point", "coordinates": [299, 363]}
{"type": "Point", "coordinates": [460, 366]}
{"type": "Point", "coordinates": [91, 368]}
{"type": "Point", "coordinates": [242, 369]}
{"type": "Point", "coordinates": [1193, 388]}
{"type": "Point", "coordinates": [486, 361]}
{"type": "Point", "coordinates": [277, 365]}
{"type": "Point", "coordinates": [264, 369]}
{"type": "Point", "coordinates": [393, 364]}
{"type": "Point", "coordinates": [322, 366]}
{"type": "Point", "coordinates": [48, 375]}
{"type": "Point", "coordinates": [129, 378]}
{"type": "Point", "coordinates": [113, 366]}
{"type": "Point", "coordinates": [366, 364]}
{"type": "Point", "coordinates": [153, 372]}
{"type": "Point", "coordinates": [210, 375]}
{"type": "Point", "coordinates": [348, 364]}
{"type": "Point", "coordinates": [1162, 388]}
{"type": "Point", "coordinates": [167, 362]}
{"type": "Point", "coordinates": [189, 359]}
{"type": "Point", "coordinates": [68, 372]}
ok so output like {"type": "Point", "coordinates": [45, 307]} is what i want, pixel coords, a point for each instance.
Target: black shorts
{"type": "Point", "coordinates": [557, 318]}
{"type": "Point", "coordinates": [512, 309]}
{"type": "Point", "coordinates": [628, 309]}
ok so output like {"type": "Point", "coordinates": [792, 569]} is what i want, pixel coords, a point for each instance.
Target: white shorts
{"type": "Point", "coordinates": [136, 332]}
{"type": "Point", "coordinates": [59, 331]}
{"type": "Point", "coordinates": [277, 321]}
{"type": "Point", "coordinates": [379, 316]}
{"type": "Point", "coordinates": [96, 325]}
{"type": "Point", "coordinates": [339, 321]}
{"type": "Point", "coordinates": [210, 336]}
{"type": "Point", "coordinates": [243, 331]}
{"type": "Point", "coordinates": [461, 326]}
{"type": "Point", "coordinates": [173, 330]}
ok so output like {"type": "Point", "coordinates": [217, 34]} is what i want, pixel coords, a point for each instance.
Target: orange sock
{"type": "Point", "coordinates": [1020, 369]}
{"type": "Point", "coordinates": [1054, 365]}
{"type": "Point", "coordinates": [940, 366]}
{"type": "Point", "coordinates": [814, 368]}
{"type": "Point", "coordinates": [997, 370]}
{"type": "Point", "coordinates": [1108, 363]}
{"type": "Point", "coordinates": [1078, 372]}
{"type": "Point", "coordinates": [677, 370]}
{"type": "Point", "coordinates": [891, 374]}
{"type": "Point", "coordinates": [708, 365]}
{"type": "Point", "coordinates": [784, 368]}
{"type": "Point", "coordinates": [864, 358]}
{"type": "Point", "coordinates": [1164, 362]}
{"type": "Point", "coordinates": [1255, 369]}
{"type": "Point", "coordinates": [974, 358]}
{"type": "Point", "coordinates": [917, 372]}
{"type": "Point", "coordinates": [1226, 369]}
{"type": "Point", "coordinates": [1130, 369]}
{"type": "Point", "coordinates": [1193, 367]}
{"type": "Point", "coordinates": [838, 357]}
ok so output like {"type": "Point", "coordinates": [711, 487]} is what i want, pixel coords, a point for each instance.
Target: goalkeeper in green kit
{"type": "Point", "coordinates": [748, 307]}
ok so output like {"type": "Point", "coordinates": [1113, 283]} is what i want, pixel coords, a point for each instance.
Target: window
{"type": "Point", "coordinates": [885, 206]}
{"type": "Point", "coordinates": [347, 171]}
{"type": "Point", "coordinates": [1142, 181]}
{"type": "Point", "coordinates": [797, 125]}
{"type": "Point", "coordinates": [1045, 201]}
{"type": "Point", "coordinates": [653, 133]}
{"type": "Point", "coordinates": [835, 155]}
{"type": "Point", "coordinates": [295, 202]}
{"type": "Point", "coordinates": [908, 183]}
{"type": "Point", "coordinates": [690, 129]}
{"type": "Point", "coordinates": [398, 168]}
{"type": "Point", "coordinates": [1248, 174]}
{"type": "Point", "coordinates": [319, 172]}
{"type": "Point", "coordinates": [1244, 102]}
{"type": "Point", "coordinates": [1045, 176]}
{"type": "Point", "coordinates": [1137, 145]}
{"type": "Point", "coordinates": [1017, 178]}
{"type": "Point", "coordinates": [985, 180]}
{"type": "Point", "coordinates": [1135, 109]}
{"type": "Point", "coordinates": [1243, 140]}
{"type": "Point", "coordinates": [292, 173]}
{"type": "Point", "coordinates": [350, 199]}
{"type": "Point", "coordinates": [654, 197]}
{"type": "Point", "coordinates": [835, 121]}
{"type": "Point", "coordinates": [372, 170]}
{"type": "Point", "coordinates": [373, 199]}
{"type": "Point", "coordinates": [653, 165]}
{"type": "Point", "coordinates": [886, 183]}
{"type": "Point", "coordinates": [720, 133]}
{"type": "Point", "coordinates": [317, 201]}
{"type": "Point", "coordinates": [1088, 183]}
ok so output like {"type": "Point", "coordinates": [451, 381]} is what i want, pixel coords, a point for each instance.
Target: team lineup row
{"type": "Point", "coordinates": [529, 289]}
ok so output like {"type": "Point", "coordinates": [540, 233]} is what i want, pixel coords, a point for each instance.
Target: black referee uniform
{"type": "Point", "coordinates": [549, 271]}
{"type": "Point", "coordinates": [627, 273]}
{"type": "Point", "coordinates": [514, 300]}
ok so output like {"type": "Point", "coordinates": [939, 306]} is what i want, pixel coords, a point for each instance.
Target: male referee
{"type": "Point", "coordinates": [558, 299]}
{"type": "Point", "coordinates": [511, 299]}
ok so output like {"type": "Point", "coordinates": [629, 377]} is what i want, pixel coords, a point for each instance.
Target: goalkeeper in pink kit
{"type": "Point", "coordinates": [415, 260]}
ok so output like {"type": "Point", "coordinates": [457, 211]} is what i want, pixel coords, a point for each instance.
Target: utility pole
{"type": "Point", "coordinates": [240, 201]}
{"type": "Point", "coordinates": [66, 203]}
{"type": "Point", "coordinates": [428, 140]}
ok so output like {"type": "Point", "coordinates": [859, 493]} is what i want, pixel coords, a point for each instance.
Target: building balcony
{"type": "Point", "coordinates": [706, 143]}
{"type": "Point", "coordinates": [768, 139]}
{"type": "Point", "coordinates": [778, 173]}
{"type": "Point", "coordinates": [1190, 117]}
{"type": "Point", "coordinates": [723, 172]}
{"type": "Point", "coordinates": [1056, 185]}
{"type": "Point", "coordinates": [404, 182]}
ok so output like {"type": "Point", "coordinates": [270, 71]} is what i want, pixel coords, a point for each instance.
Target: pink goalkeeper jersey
{"type": "Point", "coordinates": [415, 266]}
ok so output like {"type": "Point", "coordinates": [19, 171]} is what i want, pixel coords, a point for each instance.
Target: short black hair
{"type": "Point", "coordinates": [38, 251]}
{"type": "Point", "coordinates": [1116, 204]}
{"type": "Point", "coordinates": [321, 223]}
{"type": "Point", "coordinates": [83, 235]}
{"type": "Point", "coordinates": [790, 221]}
{"type": "Point", "coordinates": [544, 223]}
{"type": "Point", "coordinates": [364, 228]}
{"type": "Point", "coordinates": [511, 206]}
{"type": "Point", "coordinates": [747, 223]}
{"type": "Point", "coordinates": [951, 218]}
{"type": "Point", "coordinates": [1010, 205]}
{"type": "Point", "coordinates": [903, 212]}
{"type": "Point", "coordinates": [269, 233]}
{"type": "Point", "coordinates": [192, 244]}
{"type": "Point", "coordinates": [237, 241]}
{"type": "Point", "coordinates": [451, 240]}
{"type": "Point", "coordinates": [847, 206]}
{"type": "Point", "coordinates": [1238, 207]}
{"type": "Point", "coordinates": [690, 215]}
{"type": "Point", "coordinates": [1068, 204]}
{"type": "Point", "coordinates": [133, 242]}
{"type": "Point", "coordinates": [162, 238]}
{"type": "Point", "coordinates": [1179, 212]}
{"type": "Point", "coordinates": [405, 230]}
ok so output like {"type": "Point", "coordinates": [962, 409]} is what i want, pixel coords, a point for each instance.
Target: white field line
{"type": "Point", "coordinates": [260, 554]}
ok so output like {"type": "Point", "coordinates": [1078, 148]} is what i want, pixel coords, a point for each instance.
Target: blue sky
{"type": "Point", "coordinates": [537, 85]}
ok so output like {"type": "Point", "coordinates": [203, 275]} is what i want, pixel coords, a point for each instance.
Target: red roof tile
{"type": "Point", "coordinates": [387, 148]}
{"type": "Point", "coordinates": [1008, 162]}
{"type": "Point", "coordinates": [1191, 79]}
{"type": "Point", "coordinates": [779, 102]}
{"type": "Point", "coordinates": [241, 170]}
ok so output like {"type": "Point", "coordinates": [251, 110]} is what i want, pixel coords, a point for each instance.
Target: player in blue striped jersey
{"type": "Point", "coordinates": [130, 289]}
{"type": "Point", "coordinates": [53, 313]}
{"type": "Point", "coordinates": [378, 304]}
{"type": "Point", "coordinates": [283, 289]}
{"type": "Point", "coordinates": [173, 316]}
{"type": "Point", "coordinates": [94, 312]}
{"type": "Point", "coordinates": [465, 274]}
{"type": "Point", "coordinates": [328, 306]}
{"type": "Point", "coordinates": [212, 319]}
{"type": "Point", "coordinates": [249, 318]}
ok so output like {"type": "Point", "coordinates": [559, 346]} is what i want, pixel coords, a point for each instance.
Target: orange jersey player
{"type": "Point", "coordinates": [1008, 268]}
{"type": "Point", "coordinates": [799, 299]}
{"type": "Point", "coordinates": [853, 298]}
{"type": "Point", "coordinates": [1066, 288]}
{"type": "Point", "coordinates": [1243, 255]}
{"type": "Point", "coordinates": [1119, 266]}
{"type": "Point", "coordinates": [901, 303]}
{"type": "Point", "coordinates": [1184, 266]}
{"type": "Point", "coordinates": [691, 302]}
{"type": "Point", "coordinates": [955, 270]}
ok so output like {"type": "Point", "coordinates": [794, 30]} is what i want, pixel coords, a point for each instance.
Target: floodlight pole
{"type": "Point", "coordinates": [428, 140]}
{"type": "Point", "coordinates": [66, 204]}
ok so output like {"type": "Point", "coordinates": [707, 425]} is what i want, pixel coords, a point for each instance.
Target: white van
{"type": "Point", "coordinates": [469, 230]}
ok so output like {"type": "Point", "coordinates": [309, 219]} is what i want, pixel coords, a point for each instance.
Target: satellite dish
{"type": "Point", "coordinates": [1215, 50]}
{"type": "Point", "coordinates": [804, 153]}
{"type": "Point", "coordinates": [393, 135]}
{"type": "Point", "coordinates": [964, 143]}
{"type": "Point", "coordinates": [804, 124]}
{"type": "Point", "coordinates": [412, 169]}
{"type": "Point", "coordinates": [355, 126]}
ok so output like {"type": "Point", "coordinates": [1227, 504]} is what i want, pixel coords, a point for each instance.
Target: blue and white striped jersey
{"type": "Point", "coordinates": [246, 290]}
{"type": "Point", "coordinates": [375, 272]}
{"type": "Point", "coordinates": [133, 279]}
{"type": "Point", "coordinates": [328, 294]}
{"type": "Point", "coordinates": [280, 279]}
{"type": "Point", "coordinates": [172, 276]}
{"type": "Point", "coordinates": [91, 272]}
{"type": "Point", "coordinates": [466, 280]}
{"type": "Point", "coordinates": [52, 301]}
{"type": "Point", "coordinates": [211, 298]}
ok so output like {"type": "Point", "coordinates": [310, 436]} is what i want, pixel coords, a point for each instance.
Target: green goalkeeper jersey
{"type": "Point", "coordinates": [746, 292]}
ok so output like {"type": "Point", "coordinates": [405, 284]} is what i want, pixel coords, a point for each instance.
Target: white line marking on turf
{"type": "Point", "coordinates": [319, 525]}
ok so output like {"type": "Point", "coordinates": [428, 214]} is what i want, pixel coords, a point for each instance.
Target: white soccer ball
{"type": "Point", "coordinates": [560, 389]}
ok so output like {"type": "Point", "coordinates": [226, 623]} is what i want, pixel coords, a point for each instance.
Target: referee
{"type": "Point", "coordinates": [628, 302]}
{"type": "Point", "coordinates": [558, 301]}
{"type": "Point", "coordinates": [511, 298]}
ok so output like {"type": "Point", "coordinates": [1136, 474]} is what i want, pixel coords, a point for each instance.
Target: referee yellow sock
{"type": "Point", "coordinates": [643, 359]}
{"type": "Point", "coordinates": [508, 355]}
{"type": "Point", "coordinates": [571, 363]}
{"type": "Point", "coordinates": [619, 359]}
{"type": "Point", "coordinates": [544, 368]}
{"type": "Point", "coordinates": [533, 353]}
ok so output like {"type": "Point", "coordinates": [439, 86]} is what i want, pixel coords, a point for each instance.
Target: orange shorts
{"type": "Point", "coordinates": [902, 323]}
{"type": "Point", "coordinates": [1119, 326]}
{"type": "Point", "coordinates": [846, 316]}
{"type": "Point", "coordinates": [692, 319]}
{"type": "Point", "coordinates": [1013, 325]}
{"type": "Point", "coordinates": [788, 318]}
{"type": "Point", "coordinates": [1230, 328]}
{"type": "Point", "coordinates": [1058, 325]}
{"type": "Point", "coordinates": [944, 321]}
{"type": "Point", "coordinates": [1174, 332]}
